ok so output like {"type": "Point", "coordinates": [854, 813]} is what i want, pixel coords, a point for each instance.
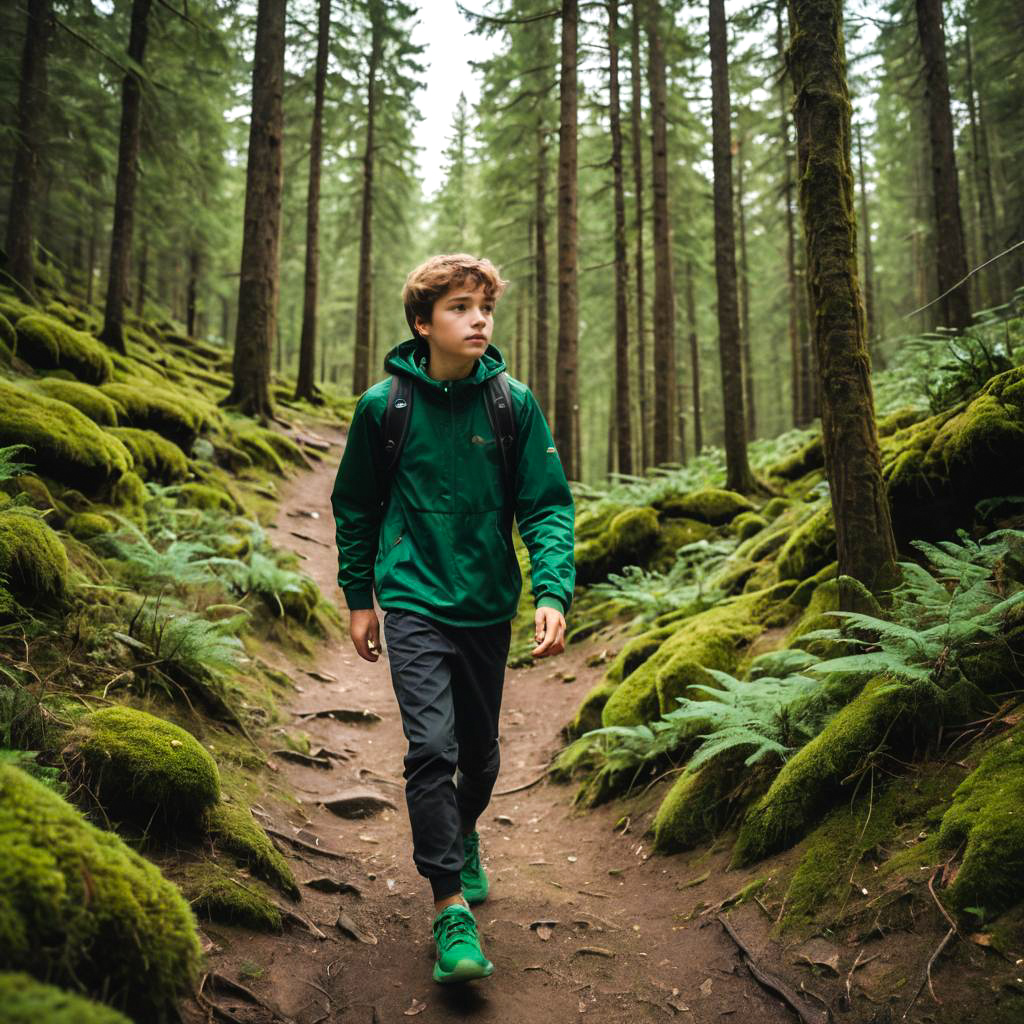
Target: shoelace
{"type": "Point", "coordinates": [449, 928]}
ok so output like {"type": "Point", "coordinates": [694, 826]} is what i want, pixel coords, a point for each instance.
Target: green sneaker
{"type": "Point", "coordinates": [473, 876]}
{"type": "Point", "coordinates": [459, 956]}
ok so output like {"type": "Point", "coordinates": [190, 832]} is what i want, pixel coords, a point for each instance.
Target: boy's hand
{"type": "Point", "coordinates": [364, 629]}
{"type": "Point", "coordinates": [549, 632]}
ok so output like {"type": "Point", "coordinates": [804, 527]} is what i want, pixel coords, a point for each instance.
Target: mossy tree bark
{"type": "Point", "coordinates": [644, 450]}
{"type": "Point", "coordinates": [623, 397]}
{"type": "Point", "coordinates": [541, 373]}
{"type": "Point", "coordinates": [31, 108]}
{"type": "Point", "coordinates": [567, 376]}
{"type": "Point", "coordinates": [738, 474]}
{"type": "Point", "coordinates": [748, 369]}
{"type": "Point", "coordinates": [865, 546]}
{"type": "Point", "coordinates": [877, 359]}
{"type": "Point", "coordinates": [305, 385]}
{"type": "Point", "coordinates": [127, 173]}
{"type": "Point", "coordinates": [949, 228]}
{"type": "Point", "coordinates": [364, 288]}
{"type": "Point", "coordinates": [256, 327]}
{"type": "Point", "coordinates": [664, 297]}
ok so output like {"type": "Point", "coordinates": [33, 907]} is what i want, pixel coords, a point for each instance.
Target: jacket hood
{"type": "Point", "coordinates": [410, 358]}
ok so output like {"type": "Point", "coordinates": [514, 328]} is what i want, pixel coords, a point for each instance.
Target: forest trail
{"type": "Point", "coordinates": [614, 945]}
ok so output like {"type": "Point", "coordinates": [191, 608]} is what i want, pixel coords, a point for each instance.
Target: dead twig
{"type": "Point", "coordinates": [302, 844]}
{"type": "Point", "coordinates": [526, 785]}
{"type": "Point", "coordinates": [771, 982]}
{"type": "Point", "coordinates": [927, 979]}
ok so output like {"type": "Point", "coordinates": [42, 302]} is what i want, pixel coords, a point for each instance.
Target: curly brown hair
{"type": "Point", "coordinates": [439, 275]}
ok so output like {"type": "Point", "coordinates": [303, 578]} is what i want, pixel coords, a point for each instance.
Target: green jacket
{"type": "Point", "coordinates": [443, 546]}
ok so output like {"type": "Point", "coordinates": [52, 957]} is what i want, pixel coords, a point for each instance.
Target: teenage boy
{"type": "Point", "coordinates": [435, 543]}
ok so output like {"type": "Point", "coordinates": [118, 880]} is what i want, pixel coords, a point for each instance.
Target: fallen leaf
{"type": "Point", "coordinates": [571, 859]}
{"type": "Point", "coordinates": [594, 951]}
{"type": "Point", "coordinates": [705, 987]}
{"type": "Point", "coordinates": [414, 1007]}
{"type": "Point", "coordinates": [324, 883]}
{"type": "Point", "coordinates": [543, 933]}
{"type": "Point", "coordinates": [503, 819]}
{"type": "Point", "coordinates": [980, 939]}
{"type": "Point", "coordinates": [830, 963]}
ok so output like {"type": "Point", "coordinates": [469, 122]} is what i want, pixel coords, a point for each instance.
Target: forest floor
{"type": "Point", "coordinates": [582, 923]}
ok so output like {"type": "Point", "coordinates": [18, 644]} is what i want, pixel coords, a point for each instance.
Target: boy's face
{"type": "Point", "coordinates": [461, 323]}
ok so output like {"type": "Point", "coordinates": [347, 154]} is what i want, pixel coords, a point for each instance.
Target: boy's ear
{"type": "Point", "coordinates": [420, 323]}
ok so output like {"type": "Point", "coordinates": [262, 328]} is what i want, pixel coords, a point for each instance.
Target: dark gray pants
{"type": "Point", "coordinates": [448, 681]}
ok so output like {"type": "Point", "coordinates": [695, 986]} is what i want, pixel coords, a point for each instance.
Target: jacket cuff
{"type": "Point", "coordinates": [357, 598]}
{"type": "Point", "coordinates": [549, 601]}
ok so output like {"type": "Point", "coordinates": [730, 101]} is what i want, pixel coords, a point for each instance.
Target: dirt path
{"type": "Point", "coordinates": [615, 945]}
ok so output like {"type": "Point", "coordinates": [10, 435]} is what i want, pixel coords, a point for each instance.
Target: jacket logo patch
{"type": "Point", "coordinates": [551, 451]}
{"type": "Point", "coordinates": [477, 439]}
{"type": "Point", "coordinates": [401, 403]}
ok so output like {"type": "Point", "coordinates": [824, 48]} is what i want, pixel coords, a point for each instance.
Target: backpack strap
{"type": "Point", "coordinates": [503, 423]}
{"type": "Point", "coordinates": [395, 427]}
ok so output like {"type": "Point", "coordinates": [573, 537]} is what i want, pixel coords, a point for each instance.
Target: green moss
{"type": "Point", "coordinates": [629, 539]}
{"type": "Point", "coordinates": [577, 758]}
{"type": "Point", "coordinates": [154, 456]}
{"type": "Point", "coordinates": [86, 525]}
{"type": "Point", "coordinates": [838, 844]}
{"type": "Point", "coordinates": [80, 908]}
{"type": "Point", "coordinates": [696, 806]}
{"type": "Point", "coordinates": [811, 547]}
{"type": "Point", "coordinates": [813, 777]}
{"type": "Point", "coordinates": [233, 829]}
{"type": "Point", "coordinates": [84, 397]}
{"type": "Point", "coordinates": [32, 559]}
{"type": "Point", "coordinates": [301, 603]}
{"type": "Point", "coordinates": [27, 1001]}
{"type": "Point", "coordinates": [808, 457]}
{"type": "Point", "coordinates": [13, 309]}
{"type": "Point", "coordinates": [157, 409]}
{"type": "Point", "coordinates": [216, 896]}
{"type": "Point", "coordinates": [711, 505]}
{"type": "Point", "coordinates": [804, 592]}
{"type": "Point", "coordinates": [899, 420]}
{"type": "Point", "coordinates": [8, 338]}
{"type": "Point", "coordinates": [67, 445]}
{"type": "Point", "coordinates": [205, 497]}
{"type": "Point", "coordinates": [714, 639]}
{"type": "Point", "coordinates": [988, 814]}
{"type": "Point", "coordinates": [775, 508]}
{"type": "Point", "coordinates": [139, 765]}
{"type": "Point", "coordinates": [590, 522]}
{"type": "Point", "coordinates": [129, 495]}
{"type": "Point", "coordinates": [748, 524]}
{"type": "Point", "coordinates": [46, 343]}
{"type": "Point", "coordinates": [674, 534]}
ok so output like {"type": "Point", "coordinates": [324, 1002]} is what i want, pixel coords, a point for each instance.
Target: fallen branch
{"type": "Point", "coordinates": [302, 844]}
{"type": "Point", "coordinates": [771, 982]}
{"type": "Point", "coordinates": [927, 979]}
{"type": "Point", "coordinates": [526, 785]}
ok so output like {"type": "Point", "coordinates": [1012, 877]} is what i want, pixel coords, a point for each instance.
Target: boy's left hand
{"type": "Point", "coordinates": [549, 632]}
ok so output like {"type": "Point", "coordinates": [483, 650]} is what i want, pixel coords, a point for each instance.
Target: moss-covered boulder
{"type": "Point", "coordinates": [32, 558]}
{"type": "Point", "coordinates": [129, 495]}
{"type": "Point", "coordinates": [86, 525]}
{"type": "Point", "coordinates": [46, 343]}
{"type": "Point", "coordinates": [218, 897]}
{"type": "Point", "coordinates": [161, 410]}
{"type": "Point", "coordinates": [208, 498]}
{"type": "Point", "coordinates": [775, 507]}
{"type": "Point", "coordinates": [85, 398]}
{"type": "Point", "coordinates": [66, 445]}
{"type": "Point", "coordinates": [987, 814]}
{"type": "Point", "coordinates": [141, 766]}
{"type": "Point", "coordinates": [714, 639]}
{"type": "Point", "coordinates": [233, 829]}
{"type": "Point", "coordinates": [155, 458]}
{"type": "Point", "coordinates": [80, 908]}
{"type": "Point", "coordinates": [593, 520]}
{"type": "Point", "coordinates": [629, 539]}
{"type": "Point", "coordinates": [809, 548]}
{"type": "Point", "coordinates": [711, 505]}
{"type": "Point", "coordinates": [695, 807]}
{"type": "Point", "coordinates": [27, 1001]}
{"type": "Point", "coordinates": [808, 457]}
{"type": "Point", "coordinates": [811, 780]}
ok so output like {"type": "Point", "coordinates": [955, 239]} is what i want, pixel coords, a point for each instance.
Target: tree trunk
{"type": "Point", "coordinates": [124, 191]}
{"type": "Point", "coordinates": [737, 468]}
{"type": "Point", "coordinates": [644, 450]}
{"type": "Point", "coordinates": [691, 321]}
{"type": "Point", "coordinates": [541, 370]}
{"type": "Point", "coordinates": [31, 109]}
{"type": "Point", "coordinates": [518, 349]}
{"type": "Point", "coordinates": [949, 228]}
{"type": "Point", "coordinates": [192, 290]}
{"type": "Point", "coordinates": [256, 325]}
{"type": "Point", "coordinates": [90, 276]}
{"type": "Point", "coordinates": [143, 274]}
{"type": "Point", "coordinates": [364, 289]}
{"type": "Point", "coordinates": [305, 385]}
{"type": "Point", "coordinates": [527, 369]}
{"type": "Point", "coordinates": [567, 376]}
{"type": "Point", "coordinates": [748, 366]}
{"type": "Point", "coordinates": [664, 300]}
{"type": "Point", "coordinates": [877, 359]}
{"type": "Point", "coordinates": [991, 276]}
{"type": "Point", "coordinates": [622, 409]}
{"type": "Point", "coordinates": [864, 538]}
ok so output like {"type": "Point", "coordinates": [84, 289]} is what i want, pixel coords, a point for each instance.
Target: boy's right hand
{"type": "Point", "coordinates": [364, 629]}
